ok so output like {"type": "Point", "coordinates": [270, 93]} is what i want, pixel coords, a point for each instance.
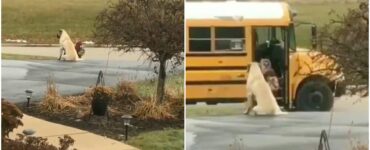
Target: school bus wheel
{"type": "Point", "coordinates": [315, 95]}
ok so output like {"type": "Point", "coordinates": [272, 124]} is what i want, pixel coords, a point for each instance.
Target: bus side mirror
{"type": "Point", "coordinates": [314, 36]}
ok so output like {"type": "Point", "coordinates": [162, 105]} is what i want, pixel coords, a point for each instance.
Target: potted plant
{"type": "Point", "coordinates": [100, 100]}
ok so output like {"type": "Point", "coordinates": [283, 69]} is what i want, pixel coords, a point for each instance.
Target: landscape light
{"type": "Point", "coordinates": [29, 96]}
{"type": "Point", "coordinates": [126, 123]}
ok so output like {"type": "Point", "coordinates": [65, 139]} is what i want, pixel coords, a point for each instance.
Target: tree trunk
{"type": "Point", "coordinates": [161, 81]}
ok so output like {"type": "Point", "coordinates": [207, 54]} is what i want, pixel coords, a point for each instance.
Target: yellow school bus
{"type": "Point", "coordinates": [223, 38]}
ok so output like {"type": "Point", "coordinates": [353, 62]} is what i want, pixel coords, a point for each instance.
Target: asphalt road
{"type": "Point", "coordinates": [295, 131]}
{"type": "Point", "coordinates": [70, 77]}
{"type": "Point", "coordinates": [90, 54]}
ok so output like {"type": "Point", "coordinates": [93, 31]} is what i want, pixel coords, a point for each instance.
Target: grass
{"type": "Point", "coordinates": [174, 83]}
{"type": "Point", "coordinates": [317, 13]}
{"type": "Point", "coordinates": [173, 101]}
{"type": "Point", "coordinates": [149, 109]}
{"type": "Point", "coordinates": [193, 111]}
{"type": "Point", "coordinates": [6, 56]}
{"type": "Point", "coordinates": [38, 21]}
{"type": "Point", "coordinates": [168, 139]}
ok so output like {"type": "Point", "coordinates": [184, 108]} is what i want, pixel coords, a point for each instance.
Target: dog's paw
{"type": "Point", "coordinates": [252, 113]}
{"type": "Point", "coordinates": [280, 113]}
{"type": "Point", "coordinates": [245, 112]}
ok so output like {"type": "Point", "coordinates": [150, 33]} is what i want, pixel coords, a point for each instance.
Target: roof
{"type": "Point", "coordinates": [236, 10]}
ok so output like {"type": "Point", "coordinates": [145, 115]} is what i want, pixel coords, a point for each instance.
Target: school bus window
{"type": "Point", "coordinates": [229, 39]}
{"type": "Point", "coordinates": [200, 39]}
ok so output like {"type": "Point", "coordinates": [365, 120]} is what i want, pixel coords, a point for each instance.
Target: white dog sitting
{"type": "Point", "coordinates": [259, 90]}
{"type": "Point", "coordinates": [68, 51]}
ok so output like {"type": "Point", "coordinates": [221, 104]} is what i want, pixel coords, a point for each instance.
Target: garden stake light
{"type": "Point", "coordinates": [29, 95]}
{"type": "Point", "coordinates": [126, 122]}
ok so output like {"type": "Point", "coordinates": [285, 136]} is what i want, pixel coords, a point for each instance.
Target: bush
{"type": "Point", "coordinates": [36, 143]}
{"type": "Point", "coordinates": [345, 39]}
{"type": "Point", "coordinates": [11, 118]}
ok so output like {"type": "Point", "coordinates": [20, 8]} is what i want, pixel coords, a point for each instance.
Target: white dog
{"type": "Point", "coordinates": [259, 90]}
{"type": "Point", "coordinates": [67, 47]}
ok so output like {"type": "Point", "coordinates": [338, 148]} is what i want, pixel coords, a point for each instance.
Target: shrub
{"type": "Point", "coordinates": [345, 39]}
{"type": "Point", "coordinates": [11, 118]}
{"type": "Point", "coordinates": [36, 143]}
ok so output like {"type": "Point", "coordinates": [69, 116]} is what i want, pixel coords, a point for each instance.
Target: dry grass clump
{"type": "Point", "coordinates": [126, 93]}
{"type": "Point", "coordinates": [150, 109]}
{"type": "Point", "coordinates": [126, 96]}
{"type": "Point", "coordinates": [176, 101]}
{"type": "Point", "coordinates": [124, 99]}
{"type": "Point", "coordinates": [360, 146]}
{"type": "Point", "coordinates": [171, 108]}
{"type": "Point", "coordinates": [52, 101]}
{"type": "Point", "coordinates": [357, 145]}
{"type": "Point", "coordinates": [80, 100]}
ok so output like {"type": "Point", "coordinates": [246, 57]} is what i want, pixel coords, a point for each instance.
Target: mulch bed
{"type": "Point", "coordinates": [112, 128]}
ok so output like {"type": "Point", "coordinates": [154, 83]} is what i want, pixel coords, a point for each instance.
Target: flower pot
{"type": "Point", "coordinates": [99, 107]}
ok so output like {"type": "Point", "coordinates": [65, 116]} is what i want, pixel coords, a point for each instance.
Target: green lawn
{"type": "Point", "coordinates": [6, 56]}
{"type": "Point", "coordinates": [174, 83]}
{"type": "Point", "coordinates": [317, 13]}
{"type": "Point", "coordinates": [38, 21]}
{"type": "Point", "coordinates": [169, 139]}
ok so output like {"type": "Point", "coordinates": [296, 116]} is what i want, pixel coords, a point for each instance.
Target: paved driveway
{"type": "Point", "coordinates": [295, 131]}
{"type": "Point", "coordinates": [70, 77]}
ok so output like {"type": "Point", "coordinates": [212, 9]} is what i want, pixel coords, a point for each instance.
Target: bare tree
{"type": "Point", "coordinates": [345, 39]}
{"type": "Point", "coordinates": [154, 27]}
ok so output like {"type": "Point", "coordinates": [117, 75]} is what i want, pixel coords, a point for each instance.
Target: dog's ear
{"type": "Point", "coordinates": [59, 34]}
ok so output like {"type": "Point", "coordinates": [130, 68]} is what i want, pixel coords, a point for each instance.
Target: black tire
{"type": "Point", "coordinates": [315, 95]}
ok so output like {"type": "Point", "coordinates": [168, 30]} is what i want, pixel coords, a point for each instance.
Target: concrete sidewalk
{"type": "Point", "coordinates": [84, 140]}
